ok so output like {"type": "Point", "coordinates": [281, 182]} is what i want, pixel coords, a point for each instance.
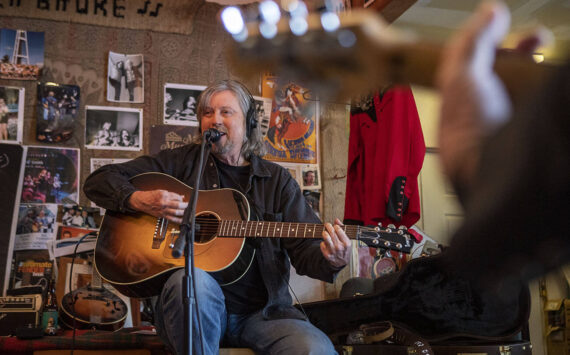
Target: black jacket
{"type": "Point", "coordinates": [273, 196]}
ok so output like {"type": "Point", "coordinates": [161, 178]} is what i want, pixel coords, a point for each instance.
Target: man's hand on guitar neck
{"type": "Point", "coordinates": [336, 245]}
{"type": "Point", "coordinates": [159, 203]}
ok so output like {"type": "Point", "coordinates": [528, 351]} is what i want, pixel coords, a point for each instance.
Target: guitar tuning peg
{"type": "Point", "coordinates": [380, 224]}
{"type": "Point", "coordinates": [403, 227]}
{"type": "Point", "coordinates": [391, 226]}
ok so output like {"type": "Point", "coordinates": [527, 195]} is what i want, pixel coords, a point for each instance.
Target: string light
{"type": "Point", "coordinates": [233, 20]}
{"type": "Point", "coordinates": [330, 21]}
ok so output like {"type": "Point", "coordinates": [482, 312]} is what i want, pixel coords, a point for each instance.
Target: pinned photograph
{"type": "Point", "coordinates": [68, 232]}
{"type": "Point", "coordinates": [11, 114]}
{"type": "Point", "coordinates": [51, 175]}
{"type": "Point", "coordinates": [113, 128]}
{"type": "Point", "coordinates": [21, 54]}
{"type": "Point", "coordinates": [79, 216]}
{"type": "Point", "coordinates": [263, 111]}
{"type": "Point", "coordinates": [294, 170]}
{"type": "Point", "coordinates": [96, 163]}
{"type": "Point", "coordinates": [180, 104]}
{"type": "Point", "coordinates": [57, 111]}
{"type": "Point", "coordinates": [311, 178]}
{"type": "Point", "coordinates": [125, 78]}
{"type": "Point", "coordinates": [313, 198]}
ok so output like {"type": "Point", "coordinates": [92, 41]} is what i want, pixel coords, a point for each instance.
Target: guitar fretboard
{"type": "Point", "coordinates": [241, 229]}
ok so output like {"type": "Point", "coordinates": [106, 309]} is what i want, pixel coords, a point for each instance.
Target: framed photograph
{"type": "Point", "coordinates": [11, 114]}
{"type": "Point", "coordinates": [113, 128]}
{"type": "Point", "coordinates": [51, 175]}
{"type": "Point", "coordinates": [22, 54]}
{"type": "Point", "coordinates": [311, 178]}
{"type": "Point", "coordinates": [57, 111]}
{"type": "Point", "coordinates": [180, 104]}
{"type": "Point", "coordinates": [125, 78]}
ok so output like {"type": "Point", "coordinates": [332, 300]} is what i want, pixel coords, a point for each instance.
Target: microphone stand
{"type": "Point", "coordinates": [185, 242]}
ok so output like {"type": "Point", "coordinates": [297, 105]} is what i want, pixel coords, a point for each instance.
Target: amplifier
{"type": "Point", "coordinates": [19, 311]}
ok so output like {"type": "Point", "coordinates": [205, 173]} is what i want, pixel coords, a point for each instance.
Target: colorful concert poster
{"type": "Point", "coordinates": [51, 175]}
{"type": "Point", "coordinates": [293, 126]}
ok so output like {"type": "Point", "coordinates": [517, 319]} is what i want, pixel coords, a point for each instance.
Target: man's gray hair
{"type": "Point", "coordinates": [252, 145]}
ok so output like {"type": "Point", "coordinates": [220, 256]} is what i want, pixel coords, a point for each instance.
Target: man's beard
{"type": "Point", "coordinates": [222, 149]}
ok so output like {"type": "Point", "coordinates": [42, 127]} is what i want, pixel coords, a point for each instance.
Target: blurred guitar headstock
{"type": "Point", "coordinates": [338, 56]}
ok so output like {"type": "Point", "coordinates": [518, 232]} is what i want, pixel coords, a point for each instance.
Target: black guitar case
{"type": "Point", "coordinates": [430, 299]}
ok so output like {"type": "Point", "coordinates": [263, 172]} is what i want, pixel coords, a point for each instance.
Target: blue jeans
{"type": "Point", "coordinates": [279, 336]}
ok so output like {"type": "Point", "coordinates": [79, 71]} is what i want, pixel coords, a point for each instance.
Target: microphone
{"type": "Point", "coordinates": [212, 135]}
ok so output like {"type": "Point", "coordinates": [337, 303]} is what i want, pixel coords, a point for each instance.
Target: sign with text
{"type": "Point", "coordinates": [163, 16]}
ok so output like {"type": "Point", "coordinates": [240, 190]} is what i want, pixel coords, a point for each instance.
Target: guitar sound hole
{"type": "Point", "coordinates": [208, 227]}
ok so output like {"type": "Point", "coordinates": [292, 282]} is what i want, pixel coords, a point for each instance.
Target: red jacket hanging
{"type": "Point", "coordinates": [385, 155]}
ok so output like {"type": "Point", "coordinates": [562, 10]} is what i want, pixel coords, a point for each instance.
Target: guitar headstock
{"type": "Point", "coordinates": [355, 57]}
{"type": "Point", "coordinates": [397, 239]}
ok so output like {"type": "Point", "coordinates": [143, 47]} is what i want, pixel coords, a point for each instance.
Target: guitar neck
{"type": "Point", "coordinates": [371, 56]}
{"type": "Point", "coordinates": [253, 229]}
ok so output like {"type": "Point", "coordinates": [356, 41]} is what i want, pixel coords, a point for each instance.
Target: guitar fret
{"type": "Point", "coordinates": [305, 231]}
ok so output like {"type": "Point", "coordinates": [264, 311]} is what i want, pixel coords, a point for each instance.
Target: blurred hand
{"type": "Point", "coordinates": [159, 203]}
{"type": "Point", "coordinates": [336, 245]}
{"type": "Point", "coordinates": [474, 100]}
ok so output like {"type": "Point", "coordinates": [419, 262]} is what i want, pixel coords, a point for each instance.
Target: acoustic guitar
{"type": "Point", "coordinates": [134, 250]}
{"type": "Point", "coordinates": [362, 55]}
{"type": "Point", "coordinates": [93, 307]}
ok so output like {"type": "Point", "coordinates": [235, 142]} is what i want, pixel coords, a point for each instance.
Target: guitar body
{"type": "Point", "coordinates": [133, 250]}
{"type": "Point", "coordinates": [93, 308]}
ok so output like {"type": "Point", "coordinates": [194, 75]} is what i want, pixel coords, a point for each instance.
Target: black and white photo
{"type": "Point", "coordinates": [180, 104]}
{"type": "Point", "coordinates": [113, 128]}
{"type": "Point", "coordinates": [125, 78]}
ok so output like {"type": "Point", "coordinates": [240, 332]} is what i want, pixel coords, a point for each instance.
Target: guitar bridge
{"type": "Point", "coordinates": [159, 233]}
